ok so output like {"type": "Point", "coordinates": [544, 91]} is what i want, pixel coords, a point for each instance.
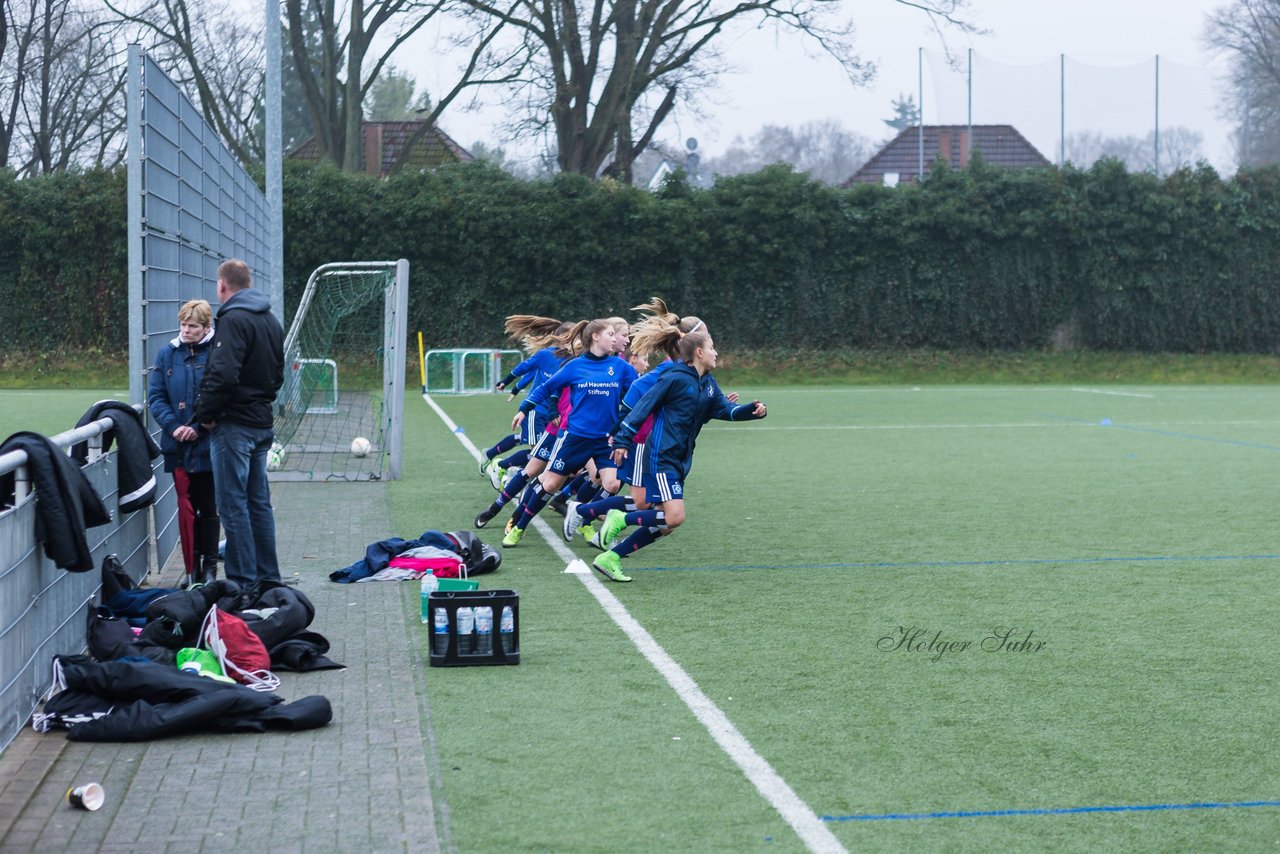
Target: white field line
{"type": "Point", "coordinates": [1113, 393]}
{"type": "Point", "coordinates": [1040, 425]}
{"type": "Point", "coordinates": [1036, 425]}
{"type": "Point", "coordinates": [811, 829]}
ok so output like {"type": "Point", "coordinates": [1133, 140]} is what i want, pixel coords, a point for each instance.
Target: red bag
{"type": "Point", "coordinates": [239, 650]}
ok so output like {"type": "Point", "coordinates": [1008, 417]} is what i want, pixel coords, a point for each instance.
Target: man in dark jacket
{"type": "Point", "coordinates": [244, 373]}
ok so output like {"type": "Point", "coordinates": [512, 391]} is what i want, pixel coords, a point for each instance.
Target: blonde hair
{"type": "Point", "coordinates": [577, 338]}
{"type": "Point", "coordinates": [656, 335]}
{"type": "Point", "coordinates": [691, 342]}
{"type": "Point", "coordinates": [196, 310]}
{"type": "Point", "coordinates": [534, 332]}
{"type": "Point", "coordinates": [657, 308]}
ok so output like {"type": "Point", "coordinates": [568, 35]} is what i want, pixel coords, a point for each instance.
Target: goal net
{"type": "Point", "coordinates": [339, 414]}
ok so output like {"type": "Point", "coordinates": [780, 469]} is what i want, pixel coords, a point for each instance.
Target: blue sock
{"type": "Point", "coordinates": [590, 491]}
{"type": "Point", "coordinates": [572, 486]}
{"type": "Point", "coordinates": [639, 538]}
{"type": "Point", "coordinates": [519, 459]}
{"type": "Point", "coordinates": [505, 444]}
{"type": "Point", "coordinates": [531, 504]}
{"type": "Point", "coordinates": [513, 488]}
{"type": "Point", "coordinates": [647, 518]}
{"type": "Point", "coordinates": [597, 509]}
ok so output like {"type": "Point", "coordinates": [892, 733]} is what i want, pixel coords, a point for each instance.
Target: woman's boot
{"type": "Point", "coordinates": [207, 530]}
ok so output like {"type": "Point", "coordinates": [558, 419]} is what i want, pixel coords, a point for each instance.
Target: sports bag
{"type": "Point", "coordinates": [240, 652]}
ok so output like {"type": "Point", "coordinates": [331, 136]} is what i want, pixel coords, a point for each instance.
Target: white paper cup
{"type": "Point", "coordinates": [87, 797]}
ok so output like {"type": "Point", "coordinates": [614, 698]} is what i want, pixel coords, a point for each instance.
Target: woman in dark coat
{"type": "Point", "coordinates": [171, 397]}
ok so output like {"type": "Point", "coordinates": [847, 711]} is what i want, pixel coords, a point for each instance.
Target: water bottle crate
{"type": "Point", "coordinates": [457, 642]}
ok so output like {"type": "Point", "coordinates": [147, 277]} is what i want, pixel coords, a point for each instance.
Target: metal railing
{"type": "Point", "coordinates": [43, 609]}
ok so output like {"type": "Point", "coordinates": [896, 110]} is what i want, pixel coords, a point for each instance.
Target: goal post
{"type": "Point", "coordinates": [345, 357]}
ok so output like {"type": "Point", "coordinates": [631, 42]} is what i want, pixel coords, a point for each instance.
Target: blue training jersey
{"type": "Point", "coordinates": [681, 402]}
{"type": "Point", "coordinates": [596, 386]}
{"type": "Point", "coordinates": [536, 370]}
{"type": "Point", "coordinates": [642, 385]}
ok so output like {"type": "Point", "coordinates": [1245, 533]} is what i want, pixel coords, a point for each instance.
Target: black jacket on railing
{"type": "Point", "coordinates": [66, 505]}
{"type": "Point", "coordinates": [135, 478]}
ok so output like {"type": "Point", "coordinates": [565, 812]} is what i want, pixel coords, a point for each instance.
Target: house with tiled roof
{"type": "Point", "coordinates": [384, 144]}
{"type": "Point", "coordinates": [899, 161]}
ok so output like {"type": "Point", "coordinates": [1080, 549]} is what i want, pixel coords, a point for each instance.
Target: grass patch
{"type": "Point", "coordinates": [49, 411]}
{"type": "Point", "coordinates": [1129, 531]}
{"type": "Point", "coordinates": [90, 368]}
{"type": "Point", "coordinates": [933, 367]}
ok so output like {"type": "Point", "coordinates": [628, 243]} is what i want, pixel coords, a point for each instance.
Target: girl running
{"type": "Point", "coordinates": [552, 412]}
{"type": "Point", "coordinates": [533, 333]}
{"type": "Point", "coordinates": [579, 516]}
{"type": "Point", "coordinates": [585, 485]}
{"type": "Point", "coordinates": [597, 380]}
{"type": "Point", "coordinates": [682, 401]}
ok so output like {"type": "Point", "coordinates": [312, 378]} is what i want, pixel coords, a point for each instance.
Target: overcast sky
{"type": "Point", "coordinates": [1110, 75]}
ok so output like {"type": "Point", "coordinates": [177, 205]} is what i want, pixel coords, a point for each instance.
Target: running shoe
{"type": "Point", "coordinates": [572, 521]}
{"type": "Point", "coordinates": [593, 538]}
{"type": "Point", "coordinates": [512, 539]}
{"type": "Point", "coordinates": [609, 564]}
{"type": "Point", "coordinates": [511, 523]}
{"type": "Point", "coordinates": [495, 474]}
{"type": "Point", "coordinates": [614, 522]}
{"type": "Point", "coordinates": [483, 517]}
{"type": "Point", "coordinates": [484, 463]}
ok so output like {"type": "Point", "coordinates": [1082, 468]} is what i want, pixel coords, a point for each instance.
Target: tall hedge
{"type": "Point", "coordinates": [62, 262]}
{"type": "Point", "coordinates": [978, 259]}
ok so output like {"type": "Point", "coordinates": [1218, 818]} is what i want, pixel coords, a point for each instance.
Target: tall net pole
{"type": "Point", "coordinates": [274, 158]}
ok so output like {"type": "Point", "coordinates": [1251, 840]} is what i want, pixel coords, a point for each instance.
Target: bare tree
{"type": "Point", "coordinates": [216, 53]}
{"type": "Point", "coordinates": [1179, 147]}
{"type": "Point", "coordinates": [339, 64]}
{"type": "Point", "coordinates": [1248, 33]}
{"type": "Point", "coordinates": [601, 78]}
{"type": "Point", "coordinates": [73, 104]}
{"type": "Point", "coordinates": [825, 150]}
{"type": "Point", "coordinates": [61, 83]}
{"type": "Point", "coordinates": [18, 34]}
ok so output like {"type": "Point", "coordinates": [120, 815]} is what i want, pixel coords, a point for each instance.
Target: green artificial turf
{"type": "Point", "coordinates": [1130, 530]}
{"type": "Point", "coordinates": [48, 411]}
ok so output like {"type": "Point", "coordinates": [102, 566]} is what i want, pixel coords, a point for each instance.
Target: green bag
{"type": "Point", "coordinates": [202, 662]}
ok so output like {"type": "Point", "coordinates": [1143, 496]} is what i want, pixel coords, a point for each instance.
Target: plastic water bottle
{"type": "Point", "coordinates": [507, 629]}
{"type": "Point", "coordinates": [429, 586]}
{"type": "Point", "coordinates": [484, 630]}
{"type": "Point", "coordinates": [466, 625]}
{"type": "Point", "coordinates": [440, 631]}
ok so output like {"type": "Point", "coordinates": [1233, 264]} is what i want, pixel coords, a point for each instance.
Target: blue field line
{"type": "Point", "coordinates": [911, 816]}
{"type": "Point", "coordinates": [1173, 434]}
{"type": "Point", "coordinates": [925, 564]}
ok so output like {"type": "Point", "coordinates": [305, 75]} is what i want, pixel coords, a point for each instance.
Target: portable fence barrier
{"type": "Point", "coordinates": [43, 609]}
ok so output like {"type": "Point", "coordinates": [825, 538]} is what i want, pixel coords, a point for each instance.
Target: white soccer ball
{"type": "Point", "coordinates": [360, 447]}
{"type": "Point", "coordinates": [275, 457]}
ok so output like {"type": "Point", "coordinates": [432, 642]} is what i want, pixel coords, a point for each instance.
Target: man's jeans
{"type": "Point", "coordinates": [244, 501]}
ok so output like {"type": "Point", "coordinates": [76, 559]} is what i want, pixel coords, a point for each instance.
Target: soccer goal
{"type": "Point", "coordinates": [345, 356]}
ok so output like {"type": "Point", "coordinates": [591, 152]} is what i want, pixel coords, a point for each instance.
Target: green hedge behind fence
{"type": "Point", "coordinates": [979, 259]}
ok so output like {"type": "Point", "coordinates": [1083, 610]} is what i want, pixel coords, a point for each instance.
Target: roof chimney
{"type": "Point", "coordinates": [372, 134]}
